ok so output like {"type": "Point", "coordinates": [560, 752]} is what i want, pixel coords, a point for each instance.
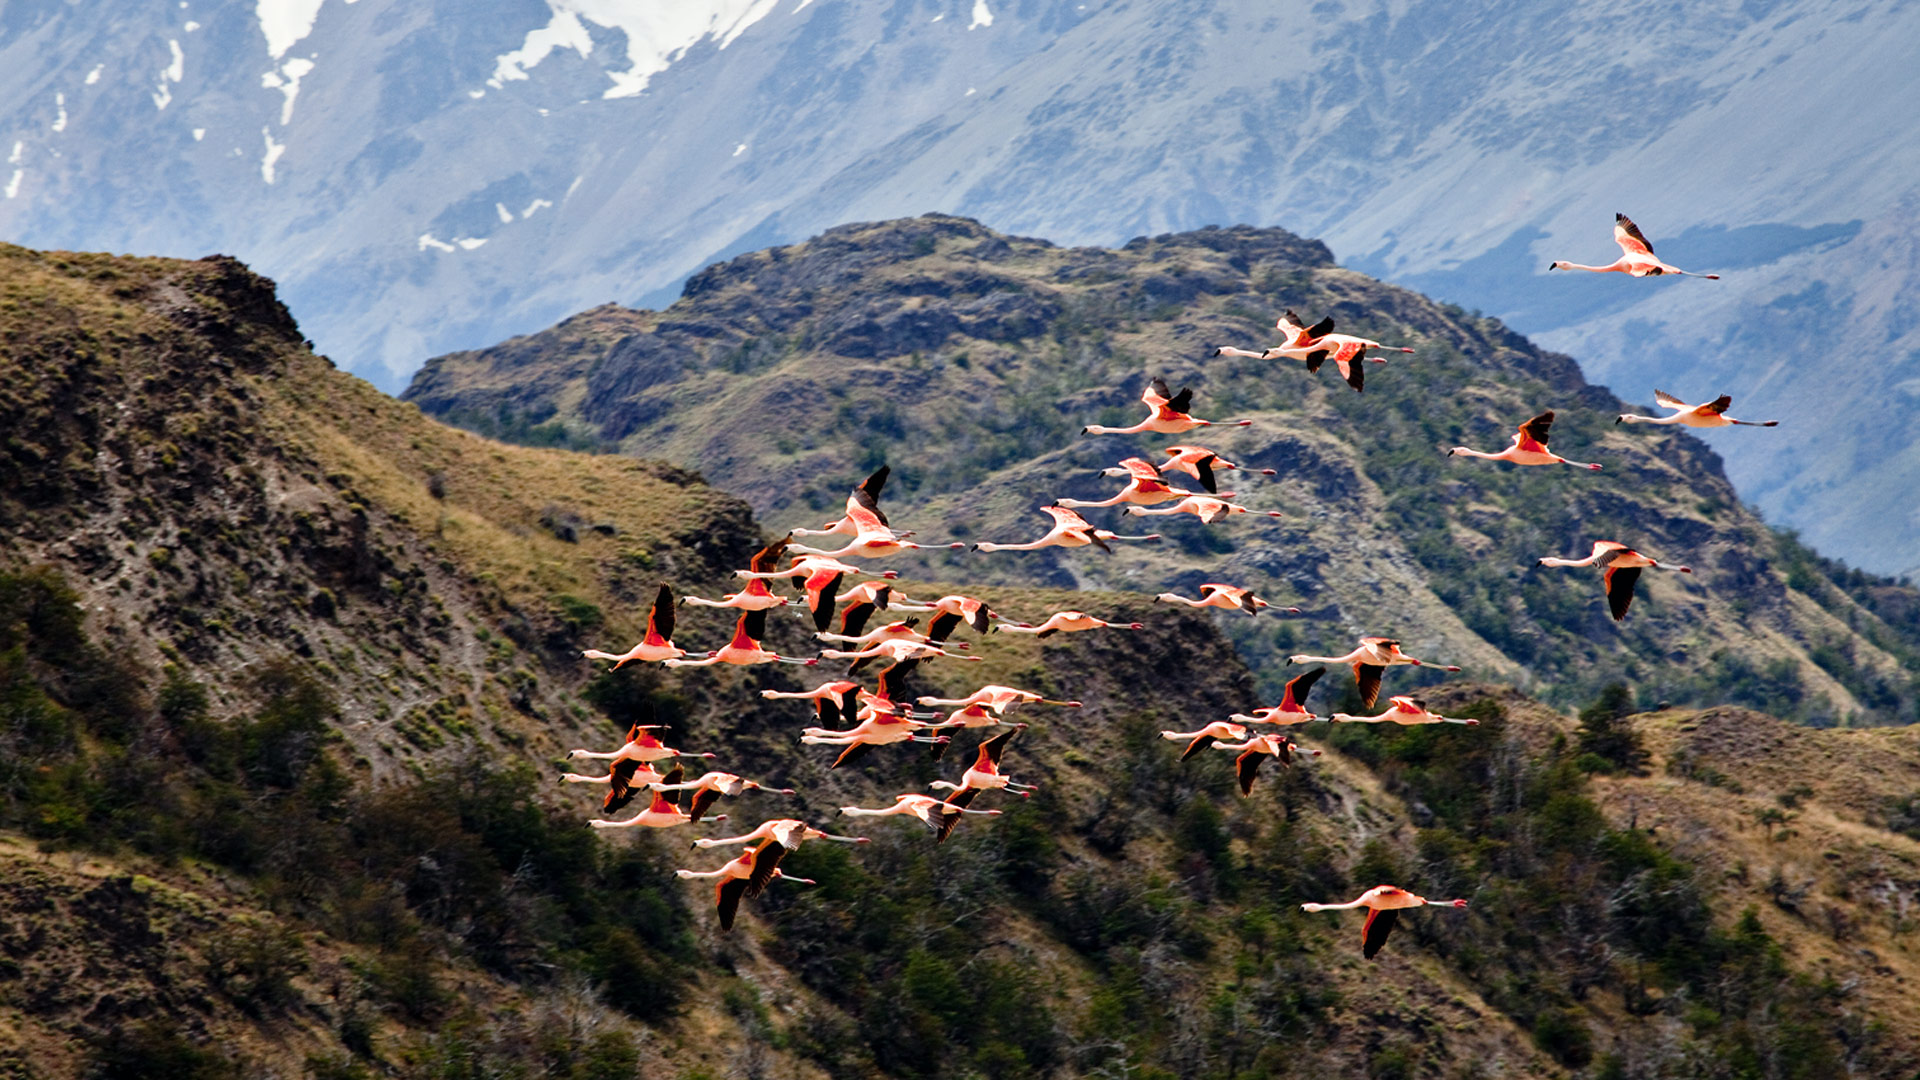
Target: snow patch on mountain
{"type": "Point", "coordinates": [657, 35]}
{"type": "Point", "coordinates": [285, 22]}
{"type": "Point", "coordinates": [286, 79]}
{"type": "Point", "coordinates": [272, 158]}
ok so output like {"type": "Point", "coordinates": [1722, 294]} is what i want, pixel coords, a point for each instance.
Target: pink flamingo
{"type": "Point", "coordinates": [1070, 530]}
{"type": "Point", "coordinates": [658, 644]}
{"type": "Point", "coordinates": [734, 880]}
{"type": "Point", "coordinates": [1293, 703]}
{"type": "Point", "coordinates": [1636, 256]}
{"type": "Point", "coordinates": [1246, 767]}
{"type": "Point", "coordinates": [1403, 710]}
{"type": "Point", "coordinates": [1144, 487]}
{"type": "Point", "coordinates": [1623, 566]}
{"type": "Point", "coordinates": [1370, 660]}
{"type": "Point", "coordinates": [756, 596]}
{"type": "Point", "coordinates": [745, 648]}
{"type": "Point", "coordinates": [1712, 414]}
{"type": "Point", "coordinates": [1205, 507]}
{"type": "Point", "coordinates": [1529, 447]}
{"type": "Point", "coordinates": [1067, 622]}
{"type": "Point", "coordinates": [1200, 463]}
{"type": "Point", "coordinates": [1384, 904]}
{"type": "Point", "coordinates": [1230, 597]}
{"type": "Point", "coordinates": [1166, 414]}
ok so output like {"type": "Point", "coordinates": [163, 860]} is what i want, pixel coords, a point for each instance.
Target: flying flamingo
{"type": "Point", "coordinates": [1384, 904]}
{"type": "Point", "coordinates": [893, 631]}
{"type": "Point", "coordinates": [970, 716]}
{"type": "Point", "coordinates": [1067, 622]}
{"type": "Point", "coordinates": [1712, 414]}
{"type": "Point", "coordinates": [896, 650]}
{"type": "Point", "coordinates": [1200, 463]}
{"type": "Point", "coordinates": [1069, 530]}
{"type": "Point", "coordinates": [860, 603]}
{"type": "Point", "coordinates": [756, 596]}
{"type": "Point", "coordinates": [923, 807]}
{"type": "Point", "coordinates": [1246, 767]}
{"type": "Point", "coordinates": [1403, 710]}
{"type": "Point", "coordinates": [1230, 597]}
{"type": "Point", "coordinates": [1205, 507]}
{"type": "Point", "coordinates": [999, 699]}
{"type": "Point", "coordinates": [1166, 414]}
{"type": "Point", "coordinates": [1197, 740]}
{"type": "Point", "coordinates": [819, 576]}
{"type": "Point", "coordinates": [845, 526]}
{"type": "Point", "coordinates": [733, 881]}
{"type": "Point", "coordinates": [1529, 447]}
{"type": "Point", "coordinates": [783, 836]}
{"type": "Point", "coordinates": [641, 745]}
{"type": "Point", "coordinates": [873, 537]}
{"type": "Point", "coordinates": [1623, 566]}
{"type": "Point", "coordinates": [710, 786]}
{"type": "Point", "coordinates": [885, 723]}
{"type": "Point", "coordinates": [626, 778]}
{"type": "Point", "coordinates": [1373, 657]}
{"type": "Point", "coordinates": [832, 700]}
{"type": "Point", "coordinates": [658, 644]}
{"type": "Point", "coordinates": [1144, 487]}
{"type": "Point", "coordinates": [983, 775]}
{"type": "Point", "coordinates": [1348, 353]}
{"type": "Point", "coordinates": [663, 813]}
{"type": "Point", "coordinates": [1298, 342]}
{"type": "Point", "coordinates": [1293, 703]}
{"type": "Point", "coordinates": [1636, 256]}
{"type": "Point", "coordinates": [954, 609]}
{"type": "Point", "coordinates": [745, 648]}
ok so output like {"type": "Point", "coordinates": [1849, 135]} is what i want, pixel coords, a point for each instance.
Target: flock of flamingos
{"type": "Point", "coordinates": [856, 719]}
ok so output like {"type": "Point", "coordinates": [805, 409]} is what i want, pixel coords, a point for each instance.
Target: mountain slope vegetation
{"type": "Point", "coordinates": [970, 360]}
{"type": "Point", "coordinates": [279, 801]}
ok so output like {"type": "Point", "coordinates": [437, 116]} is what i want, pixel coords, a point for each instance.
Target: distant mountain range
{"type": "Point", "coordinates": [423, 182]}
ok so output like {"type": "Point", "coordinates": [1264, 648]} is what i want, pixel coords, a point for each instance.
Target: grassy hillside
{"type": "Point", "coordinates": [286, 670]}
{"type": "Point", "coordinates": [971, 360]}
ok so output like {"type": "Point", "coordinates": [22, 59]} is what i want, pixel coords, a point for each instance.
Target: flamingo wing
{"type": "Point", "coordinates": [1533, 434]}
{"type": "Point", "coordinates": [767, 559]}
{"type": "Point", "coordinates": [1315, 359]}
{"type": "Point", "coordinates": [1140, 470]}
{"type": "Point", "coordinates": [866, 516]}
{"type": "Point", "coordinates": [949, 819]}
{"type": "Point", "coordinates": [660, 619]}
{"type": "Point", "coordinates": [620, 789]}
{"type": "Point", "coordinates": [1156, 394]}
{"type": "Point", "coordinates": [1298, 688]}
{"type": "Point", "coordinates": [1196, 745]}
{"type": "Point", "coordinates": [943, 626]}
{"type": "Point", "coordinates": [702, 801]}
{"type": "Point", "coordinates": [1182, 401]}
{"type": "Point", "coordinates": [726, 898]}
{"type": "Point", "coordinates": [1373, 932]}
{"type": "Point", "coordinates": [1205, 467]}
{"type": "Point", "coordinates": [1067, 517]}
{"type": "Point", "coordinates": [1247, 768]}
{"type": "Point", "coordinates": [853, 618]}
{"type": "Point", "coordinates": [1367, 677]}
{"type": "Point", "coordinates": [1619, 582]}
{"type": "Point", "coordinates": [753, 626]}
{"type": "Point", "coordinates": [854, 752]}
{"type": "Point", "coordinates": [874, 482]}
{"type": "Point", "coordinates": [1666, 400]}
{"type": "Point", "coordinates": [1627, 235]}
{"type": "Point", "coordinates": [1716, 407]}
{"type": "Point", "coordinates": [1289, 322]}
{"type": "Point", "coordinates": [765, 861]}
{"type": "Point", "coordinates": [820, 601]}
{"type": "Point", "coordinates": [1352, 364]}
{"type": "Point", "coordinates": [1320, 329]}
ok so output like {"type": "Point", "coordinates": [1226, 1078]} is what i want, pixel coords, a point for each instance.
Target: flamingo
{"type": "Point", "coordinates": [1230, 597]}
{"type": "Point", "coordinates": [1384, 904]}
{"type": "Point", "coordinates": [1068, 622]}
{"type": "Point", "coordinates": [1623, 566]}
{"type": "Point", "coordinates": [1370, 660]}
{"type": "Point", "coordinates": [1200, 463]}
{"type": "Point", "coordinates": [658, 644]}
{"type": "Point", "coordinates": [999, 699]}
{"type": "Point", "coordinates": [1144, 487]}
{"type": "Point", "coordinates": [954, 609]}
{"type": "Point", "coordinates": [745, 648]}
{"type": "Point", "coordinates": [662, 813]}
{"type": "Point", "coordinates": [819, 576]}
{"type": "Point", "coordinates": [1293, 703]}
{"type": "Point", "coordinates": [1317, 344]}
{"type": "Point", "coordinates": [845, 526]}
{"type": "Point", "coordinates": [1246, 767]}
{"type": "Point", "coordinates": [756, 596]}
{"type": "Point", "coordinates": [883, 723]}
{"type": "Point", "coordinates": [896, 650]}
{"type": "Point", "coordinates": [1712, 414]}
{"type": "Point", "coordinates": [923, 807]}
{"type": "Point", "coordinates": [1205, 507]}
{"type": "Point", "coordinates": [624, 779]}
{"type": "Point", "coordinates": [1069, 530]}
{"type": "Point", "coordinates": [710, 786]}
{"type": "Point", "coordinates": [1403, 710]}
{"type": "Point", "coordinates": [1166, 414]}
{"type": "Point", "coordinates": [1299, 340]}
{"type": "Point", "coordinates": [1219, 729]}
{"type": "Point", "coordinates": [893, 631]}
{"type": "Point", "coordinates": [983, 775]}
{"type": "Point", "coordinates": [971, 716]}
{"type": "Point", "coordinates": [1529, 447]}
{"type": "Point", "coordinates": [641, 745]}
{"type": "Point", "coordinates": [783, 836]}
{"type": "Point", "coordinates": [1636, 256]}
{"type": "Point", "coordinates": [832, 700]}
{"type": "Point", "coordinates": [873, 537]}
{"type": "Point", "coordinates": [734, 878]}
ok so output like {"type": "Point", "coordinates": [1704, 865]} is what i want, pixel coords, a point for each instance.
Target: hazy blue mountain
{"type": "Point", "coordinates": [424, 178]}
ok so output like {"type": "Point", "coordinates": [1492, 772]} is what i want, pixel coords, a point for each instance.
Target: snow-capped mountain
{"type": "Point", "coordinates": [425, 177]}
